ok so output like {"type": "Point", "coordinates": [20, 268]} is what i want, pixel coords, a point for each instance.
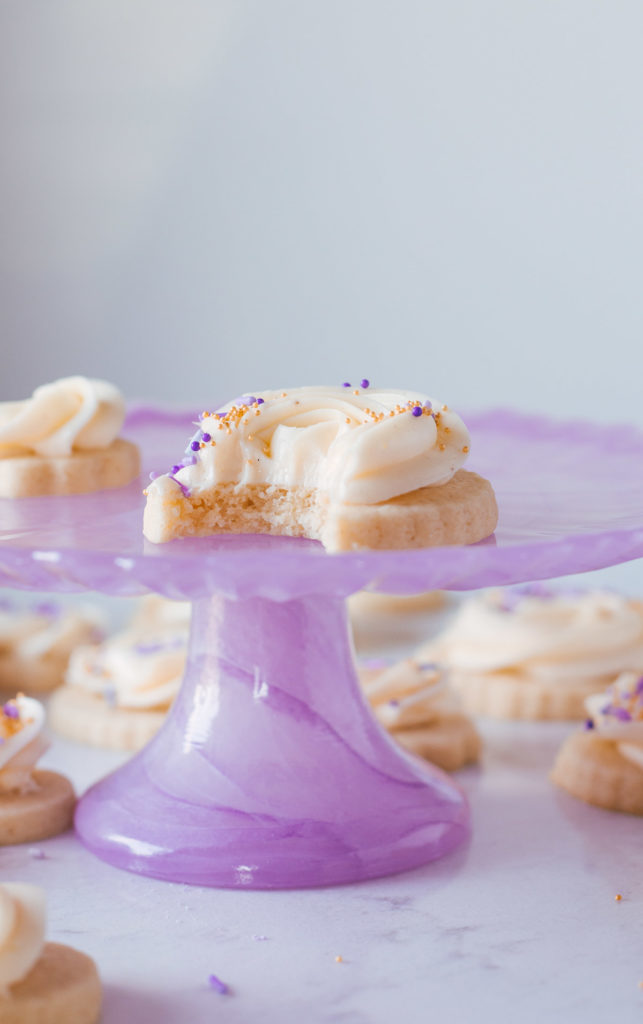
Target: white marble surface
{"type": "Point", "coordinates": [521, 925]}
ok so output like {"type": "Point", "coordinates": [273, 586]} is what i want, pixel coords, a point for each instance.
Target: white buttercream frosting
{"type": "Point", "coordinates": [33, 633]}
{"type": "Point", "coordinates": [617, 715]}
{"type": "Point", "coordinates": [22, 742]}
{"type": "Point", "coordinates": [133, 669]}
{"type": "Point", "coordinates": [70, 414]}
{"type": "Point", "coordinates": [408, 693]}
{"type": "Point", "coordinates": [354, 445]}
{"type": "Point", "coordinates": [543, 635]}
{"type": "Point", "coordinates": [22, 931]}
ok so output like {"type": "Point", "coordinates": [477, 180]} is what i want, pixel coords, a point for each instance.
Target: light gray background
{"type": "Point", "coordinates": [204, 197]}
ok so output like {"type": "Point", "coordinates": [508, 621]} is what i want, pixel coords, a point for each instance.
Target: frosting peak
{"type": "Point", "coordinates": [357, 446]}
{"type": "Point", "coordinates": [21, 743]}
{"type": "Point", "coordinates": [22, 930]}
{"type": "Point", "coordinates": [69, 414]}
{"type": "Point", "coordinates": [544, 634]}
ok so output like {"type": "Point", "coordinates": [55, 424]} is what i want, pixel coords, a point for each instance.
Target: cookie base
{"type": "Point", "coordinates": [592, 769]}
{"type": "Point", "coordinates": [28, 476]}
{"type": "Point", "coordinates": [44, 812]}
{"type": "Point", "coordinates": [462, 511]}
{"type": "Point", "coordinates": [506, 696]}
{"type": "Point", "coordinates": [84, 717]}
{"type": "Point", "coordinates": [62, 987]}
{"type": "Point", "coordinates": [449, 743]}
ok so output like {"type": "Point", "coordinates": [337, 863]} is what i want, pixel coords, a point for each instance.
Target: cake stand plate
{"type": "Point", "coordinates": [270, 770]}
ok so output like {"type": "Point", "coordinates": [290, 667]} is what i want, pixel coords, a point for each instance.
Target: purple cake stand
{"type": "Point", "coordinates": [270, 771]}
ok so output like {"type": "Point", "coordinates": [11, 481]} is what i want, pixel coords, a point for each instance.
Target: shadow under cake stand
{"type": "Point", "coordinates": [270, 770]}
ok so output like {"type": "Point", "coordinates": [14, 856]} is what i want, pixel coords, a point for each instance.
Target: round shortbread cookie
{"type": "Point", "coordinates": [85, 717]}
{"type": "Point", "coordinates": [366, 603]}
{"type": "Point", "coordinates": [26, 476]}
{"type": "Point", "coordinates": [507, 695]}
{"type": "Point", "coordinates": [592, 769]}
{"type": "Point", "coordinates": [44, 812]}
{"type": "Point", "coordinates": [461, 511]}
{"type": "Point", "coordinates": [63, 987]}
{"type": "Point", "coordinates": [450, 743]}
{"type": "Point", "coordinates": [31, 676]}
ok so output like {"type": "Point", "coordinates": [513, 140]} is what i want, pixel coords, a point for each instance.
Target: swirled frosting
{"type": "Point", "coordinates": [409, 693]}
{"type": "Point", "coordinates": [22, 930]}
{"type": "Point", "coordinates": [617, 715]}
{"type": "Point", "coordinates": [356, 445]}
{"type": "Point", "coordinates": [543, 635]}
{"type": "Point", "coordinates": [70, 414]}
{"type": "Point", "coordinates": [21, 743]}
{"type": "Point", "coordinates": [37, 632]}
{"type": "Point", "coordinates": [132, 669]}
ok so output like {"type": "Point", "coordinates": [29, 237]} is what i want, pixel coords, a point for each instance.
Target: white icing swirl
{"type": "Point", "coordinates": [617, 715]}
{"type": "Point", "coordinates": [132, 669]}
{"type": "Point", "coordinates": [22, 931]}
{"type": "Point", "coordinates": [354, 445]}
{"type": "Point", "coordinates": [73, 413]}
{"type": "Point", "coordinates": [558, 637]}
{"type": "Point", "coordinates": [32, 634]}
{"type": "Point", "coordinates": [21, 743]}
{"type": "Point", "coordinates": [407, 694]}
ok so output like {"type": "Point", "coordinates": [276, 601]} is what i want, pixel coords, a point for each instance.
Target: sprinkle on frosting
{"type": "Point", "coordinates": [314, 437]}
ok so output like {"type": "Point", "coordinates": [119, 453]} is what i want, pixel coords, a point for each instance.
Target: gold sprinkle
{"type": "Point", "coordinates": [447, 430]}
{"type": "Point", "coordinates": [284, 394]}
{"type": "Point", "coordinates": [446, 408]}
{"type": "Point", "coordinates": [618, 897]}
{"type": "Point", "coordinates": [348, 419]}
{"type": "Point", "coordinates": [257, 411]}
{"type": "Point", "coordinates": [145, 492]}
{"type": "Point", "coordinates": [339, 959]}
{"type": "Point", "coordinates": [441, 447]}
{"type": "Point", "coordinates": [465, 449]}
{"type": "Point", "coordinates": [249, 461]}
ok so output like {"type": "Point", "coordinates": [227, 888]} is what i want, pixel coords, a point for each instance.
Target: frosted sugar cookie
{"type": "Point", "coordinates": [413, 701]}
{"type": "Point", "coordinates": [64, 440]}
{"type": "Point", "coordinates": [41, 982]}
{"type": "Point", "coordinates": [536, 652]}
{"type": "Point", "coordinates": [352, 467]}
{"type": "Point", "coordinates": [34, 804]}
{"type": "Point", "coordinates": [118, 693]}
{"type": "Point", "coordinates": [603, 765]}
{"type": "Point", "coordinates": [36, 642]}
{"type": "Point", "coordinates": [155, 614]}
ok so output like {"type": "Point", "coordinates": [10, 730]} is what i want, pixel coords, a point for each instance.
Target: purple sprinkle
{"type": "Point", "coordinates": [219, 415]}
{"type": "Point", "coordinates": [47, 608]}
{"type": "Point", "coordinates": [194, 445]}
{"type": "Point", "coordinates": [206, 438]}
{"type": "Point", "coordinates": [154, 475]}
{"type": "Point", "coordinates": [36, 853]}
{"type": "Point", "coordinates": [639, 686]}
{"type": "Point", "coordinates": [621, 714]}
{"type": "Point", "coordinates": [365, 383]}
{"type": "Point", "coordinates": [428, 666]}
{"type": "Point", "coordinates": [428, 404]}
{"type": "Point", "coordinates": [346, 384]}
{"type": "Point", "coordinates": [394, 703]}
{"type": "Point", "coordinates": [260, 401]}
{"type": "Point", "coordinates": [1, 740]}
{"type": "Point", "coordinates": [218, 985]}
{"type": "Point", "coordinates": [176, 469]}
{"type": "Point", "coordinates": [185, 490]}
{"type": "Point", "coordinates": [589, 723]}
{"type": "Point", "coordinates": [417, 410]}
{"type": "Point", "coordinates": [11, 711]}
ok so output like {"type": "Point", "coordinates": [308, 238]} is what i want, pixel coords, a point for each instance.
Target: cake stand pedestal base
{"type": "Point", "coordinates": [270, 770]}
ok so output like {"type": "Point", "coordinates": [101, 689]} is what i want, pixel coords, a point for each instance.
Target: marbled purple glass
{"type": "Point", "coordinates": [270, 770]}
